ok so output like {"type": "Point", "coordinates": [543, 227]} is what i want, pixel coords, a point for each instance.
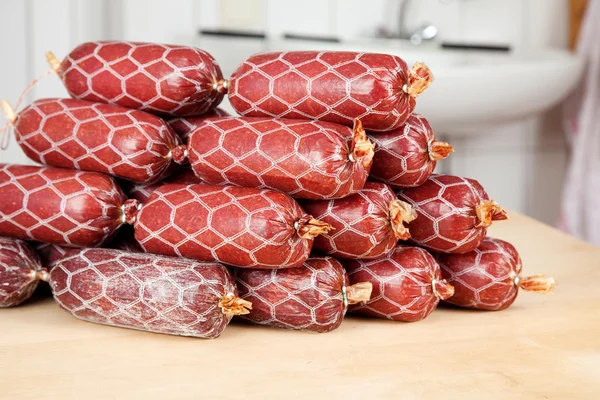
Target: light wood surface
{"type": "Point", "coordinates": [543, 347]}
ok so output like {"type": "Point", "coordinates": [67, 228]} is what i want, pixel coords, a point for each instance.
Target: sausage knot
{"type": "Point", "coordinates": [130, 210]}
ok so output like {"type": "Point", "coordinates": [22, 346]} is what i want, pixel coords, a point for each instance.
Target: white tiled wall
{"type": "Point", "coordinates": [522, 165]}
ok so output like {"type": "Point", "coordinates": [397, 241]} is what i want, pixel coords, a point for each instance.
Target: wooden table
{"type": "Point", "coordinates": [543, 347]}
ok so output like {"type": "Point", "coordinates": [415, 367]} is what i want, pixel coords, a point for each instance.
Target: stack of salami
{"type": "Point", "coordinates": [318, 199]}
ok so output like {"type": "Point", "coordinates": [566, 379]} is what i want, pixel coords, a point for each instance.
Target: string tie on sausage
{"type": "Point", "coordinates": [439, 150]}
{"type": "Point", "coordinates": [358, 293]}
{"type": "Point", "coordinates": [362, 149]}
{"type": "Point", "coordinates": [536, 283]}
{"type": "Point", "coordinates": [419, 79]}
{"type": "Point", "coordinates": [180, 154]}
{"type": "Point", "coordinates": [130, 210]}
{"type": "Point", "coordinates": [11, 113]}
{"type": "Point", "coordinates": [442, 289]}
{"type": "Point", "coordinates": [231, 305]}
{"type": "Point", "coordinates": [489, 211]}
{"type": "Point", "coordinates": [308, 228]}
{"type": "Point", "coordinates": [400, 213]}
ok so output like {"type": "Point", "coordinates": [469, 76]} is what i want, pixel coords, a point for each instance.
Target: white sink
{"type": "Point", "coordinates": [475, 90]}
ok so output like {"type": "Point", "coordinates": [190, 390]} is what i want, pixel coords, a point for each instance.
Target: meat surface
{"type": "Point", "coordinates": [147, 292]}
{"type": "Point", "coordinates": [305, 159]}
{"type": "Point", "coordinates": [313, 297]}
{"type": "Point", "coordinates": [242, 227]}
{"type": "Point", "coordinates": [453, 213]}
{"type": "Point", "coordinates": [20, 272]}
{"type": "Point", "coordinates": [158, 78]}
{"type": "Point", "coordinates": [366, 225]}
{"type": "Point", "coordinates": [183, 126]}
{"type": "Point", "coordinates": [333, 86]}
{"type": "Point", "coordinates": [142, 191]}
{"type": "Point", "coordinates": [407, 156]}
{"type": "Point", "coordinates": [61, 206]}
{"type": "Point", "coordinates": [407, 284]}
{"type": "Point", "coordinates": [489, 277]}
{"type": "Point", "coordinates": [78, 134]}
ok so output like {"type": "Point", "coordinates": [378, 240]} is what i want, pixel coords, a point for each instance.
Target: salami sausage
{"type": "Point", "coordinates": [489, 277]}
{"type": "Point", "coordinates": [366, 225]}
{"type": "Point", "coordinates": [77, 134]}
{"type": "Point", "coordinates": [242, 227]}
{"type": "Point", "coordinates": [50, 253]}
{"type": "Point", "coordinates": [406, 157]}
{"type": "Point", "coordinates": [314, 297]}
{"type": "Point", "coordinates": [407, 284]}
{"type": "Point", "coordinates": [142, 191]}
{"type": "Point", "coordinates": [61, 206]}
{"type": "Point", "coordinates": [147, 292]}
{"type": "Point", "coordinates": [306, 159]}
{"type": "Point", "coordinates": [20, 272]}
{"type": "Point", "coordinates": [453, 213]}
{"type": "Point", "coordinates": [183, 126]}
{"type": "Point", "coordinates": [333, 86]}
{"type": "Point", "coordinates": [158, 78]}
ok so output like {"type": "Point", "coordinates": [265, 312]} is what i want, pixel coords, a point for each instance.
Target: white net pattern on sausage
{"type": "Point", "coordinates": [282, 157]}
{"type": "Point", "coordinates": [443, 211]}
{"type": "Point", "coordinates": [239, 224]}
{"type": "Point", "coordinates": [143, 291]}
{"type": "Point", "coordinates": [16, 260]}
{"type": "Point", "coordinates": [370, 225]}
{"type": "Point", "coordinates": [172, 81]}
{"type": "Point", "coordinates": [505, 267]}
{"type": "Point", "coordinates": [309, 302]}
{"type": "Point", "coordinates": [406, 163]}
{"type": "Point", "coordinates": [405, 292]}
{"type": "Point", "coordinates": [78, 147]}
{"type": "Point", "coordinates": [183, 126]}
{"type": "Point", "coordinates": [309, 72]}
{"type": "Point", "coordinates": [68, 222]}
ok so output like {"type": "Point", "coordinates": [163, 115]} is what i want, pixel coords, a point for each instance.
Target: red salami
{"type": "Point", "coordinates": [20, 272]}
{"type": "Point", "coordinates": [366, 225]}
{"type": "Point", "coordinates": [49, 253]}
{"type": "Point", "coordinates": [158, 78]}
{"type": "Point", "coordinates": [61, 206]}
{"type": "Point", "coordinates": [407, 284]}
{"type": "Point", "coordinates": [114, 140]}
{"type": "Point", "coordinates": [489, 277]}
{"type": "Point", "coordinates": [314, 297]}
{"type": "Point", "coordinates": [306, 159]}
{"type": "Point", "coordinates": [147, 292]}
{"type": "Point", "coordinates": [453, 213]}
{"type": "Point", "coordinates": [243, 227]}
{"type": "Point", "coordinates": [333, 86]}
{"type": "Point", "coordinates": [183, 126]}
{"type": "Point", "coordinates": [142, 191]}
{"type": "Point", "coordinates": [406, 157]}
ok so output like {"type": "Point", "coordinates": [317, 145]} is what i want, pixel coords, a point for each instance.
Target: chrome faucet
{"type": "Point", "coordinates": [427, 31]}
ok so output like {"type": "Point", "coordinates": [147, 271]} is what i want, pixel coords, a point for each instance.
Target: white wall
{"type": "Point", "coordinates": [522, 165]}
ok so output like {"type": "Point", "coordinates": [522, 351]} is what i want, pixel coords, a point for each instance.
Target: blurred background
{"type": "Point", "coordinates": [502, 67]}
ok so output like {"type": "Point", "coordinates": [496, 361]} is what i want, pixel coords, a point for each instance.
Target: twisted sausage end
{"type": "Point", "coordinates": [400, 213]}
{"type": "Point", "coordinates": [231, 305]}
{"type": "Point", "coordinates": [309, 228]}
{"type": "Point", "coordinates": [442, 289]}
{"type": "Point", "coordinates": [489, 211]}
{"type": "Point", "coordinates": [439, 150]}
{"type": "Point", "coordinates": [359, 292]}
{"type": "Point", "coordinates": [53, 61]}
{"type": "Point", "coordinates": [536, 283]}
{"type": "Point", "coordinates": [419, 79]}
{"type": "Point", "coordinates": [363, 149]}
